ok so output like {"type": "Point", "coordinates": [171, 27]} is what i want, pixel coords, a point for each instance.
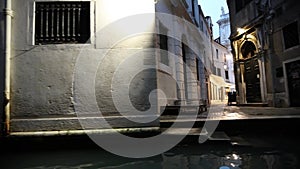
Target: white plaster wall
{"type": "Point", "coordinates": [230, 65]}
{"type": "Point", "coordinates": [219, 62]}
{"type": "Point", "coordinates": [166, 76]}
{"type": "Point", "coordinates": [224, 33]}
{"type": "Point", "coordinates": [175, 70]}
{"type": "Point", "coordinates": [43, 76]}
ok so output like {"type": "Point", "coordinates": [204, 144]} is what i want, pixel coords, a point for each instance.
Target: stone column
{"type": "Point", "coordinates": [191, 78]}
{"type": "Point", "coordinates": [179, 72]}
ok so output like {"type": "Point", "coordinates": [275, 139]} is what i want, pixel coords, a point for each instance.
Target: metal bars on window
{"type": "Point", "coordinates": [62, 22]}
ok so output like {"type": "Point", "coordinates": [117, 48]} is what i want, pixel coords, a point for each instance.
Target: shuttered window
{"type": "Point", "coordinates": [62, 22]}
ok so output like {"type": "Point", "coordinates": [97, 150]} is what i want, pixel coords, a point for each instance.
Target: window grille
{"type": "Point", "coordinates": [62, 22]}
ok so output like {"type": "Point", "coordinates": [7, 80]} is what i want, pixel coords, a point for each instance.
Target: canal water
{"type": "Point", "coordinates": [243, 152]}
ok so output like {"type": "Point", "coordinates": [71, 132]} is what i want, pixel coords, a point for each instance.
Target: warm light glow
{"type": "Point", "coordinates": [241, 30]}
{"type": "Point", "coordinates": [125, 20]}
{"type": "Point", "coordinates": [235, 157]}
{"type": "Point", "coordinates": [113, 10]}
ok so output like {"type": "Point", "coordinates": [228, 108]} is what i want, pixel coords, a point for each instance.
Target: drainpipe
{"type": "Point", "coordinates": [7, 54]}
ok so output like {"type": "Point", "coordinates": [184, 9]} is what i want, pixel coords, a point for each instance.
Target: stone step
{"type": "Point", "coordinates": [216, 136]}
{"type": "Point", "coordinates": [254, 105]}
{"type": "Point", "coordinates": [174, 109]}
{"type": "Point", "coordinates": [219, 136]}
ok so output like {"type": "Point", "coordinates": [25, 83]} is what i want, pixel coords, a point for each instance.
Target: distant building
{"type": "Point", "coordinates": [265, 43]}
{"type": "Point", "coordinates": [224, 33]}
{"type": "Point", "coordinates": [224, 29]}
{"type": "Point", "coordinates": [217, 78]}
{"type": "Point", "coordinates": [222, 78]}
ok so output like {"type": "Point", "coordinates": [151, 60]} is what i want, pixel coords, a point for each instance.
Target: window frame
{"type": "Point", "coordinates": [226, 74]}
{"type": "Point", "coordinates": [283, 35]}
{"type": "Point", "coordinates": [164, 47]}
{"type": "Point", "coordinates": [31, 20]}
{"type": "Point", "coordinates": [219, 73]}
{"type": "Point", "coordinates": [197, 69]}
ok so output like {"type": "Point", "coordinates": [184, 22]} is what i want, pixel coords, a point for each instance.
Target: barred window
{"type": "Point", "coordinates": [62, 22]}
{"type": "Point", "coordinates": [290, 35]}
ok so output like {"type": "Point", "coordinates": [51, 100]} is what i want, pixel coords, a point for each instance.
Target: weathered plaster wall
{"type": "Point", "coordinates": [171, 76]}
{"type": "Point", "coordinates": [279, 13]}
{"type": "Point", "coordinates": [196, 46]}
{"type": "Point", "coordinates": [242, 17]}
{"type": "Point", "coordinates": [219, 60]}
{"type": "Point", "coordinates": [289, 14]}
{"type": "Point", "coordinates": [43, 75]}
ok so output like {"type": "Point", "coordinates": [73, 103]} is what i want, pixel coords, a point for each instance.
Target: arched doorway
{"type": "Point", "coordinates": [251, 73]}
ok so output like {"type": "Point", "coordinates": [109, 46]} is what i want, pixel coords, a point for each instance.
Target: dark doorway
{"type": "Point", "coordinates": [252, 80]}
{"type": "Point", "coordinates": [293, 77]}
{"type": "Point", "coordinates": [251, 73]}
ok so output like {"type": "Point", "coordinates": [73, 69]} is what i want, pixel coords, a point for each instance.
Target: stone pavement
{"type": "Point", "coordinates": [249, 112]}
{"type": "Point", "coordinates": [244, 112]}
{"type": "Point", "coordinates": [221, 111]}
{"type": "Point", "coordinates": [234, 119]}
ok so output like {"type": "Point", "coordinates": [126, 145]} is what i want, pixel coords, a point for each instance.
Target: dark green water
{"type": "Point", "coordinates": [274, 152]}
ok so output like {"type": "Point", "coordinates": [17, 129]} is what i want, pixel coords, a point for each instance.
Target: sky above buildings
{"type": "Point", "coordinates": [213, 8]}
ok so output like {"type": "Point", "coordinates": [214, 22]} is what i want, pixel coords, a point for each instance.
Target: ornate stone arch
{"type": "Point", "coordinates": [249, 48]}
{"type": "Point", "coordinates": [250, 43]}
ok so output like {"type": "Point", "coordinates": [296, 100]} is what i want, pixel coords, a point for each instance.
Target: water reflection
{"type": "Point", "coordinates": [232, 160]}
{"type": "Point", "coordinates": [180, 157]}
{"type": "Point", "coordinates": [238, 159]}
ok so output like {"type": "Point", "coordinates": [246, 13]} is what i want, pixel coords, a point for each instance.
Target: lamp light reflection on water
{"type": "Point", "coordinates": [233, 160]}
{"type": "Point", "coordinates": [224, 167]}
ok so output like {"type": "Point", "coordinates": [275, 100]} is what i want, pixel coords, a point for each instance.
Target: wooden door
{"type": "Point", "coordinates": [252, 80]}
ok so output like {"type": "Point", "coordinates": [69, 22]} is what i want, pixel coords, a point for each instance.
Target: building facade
{"type": "Point", "coordinates": [217, 78]}
{"type": "Point", "coordinates": [222, 78]}
{"type": "Point", "coordinates": [224, 32]}
{"type": "Point", "coordinates": [63, 62]}
{"type": "Point", "coordinates": [53, 72]}
{"type": "Point", "coordinates": [265, 43]}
